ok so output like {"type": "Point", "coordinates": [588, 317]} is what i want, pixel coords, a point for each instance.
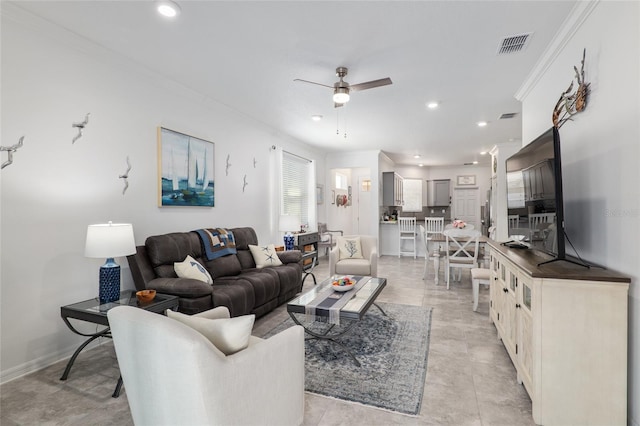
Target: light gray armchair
{"type": "Point", "coordinates": [366, 266]}
{"type": "Point", "coordinates": [173, 375]}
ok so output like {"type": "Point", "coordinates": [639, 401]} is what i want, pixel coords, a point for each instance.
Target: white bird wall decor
{"type": "Point", "coordinates": [125, 176]}
{"type": "Point", "coordinates": [10, 150]}
{"type": "Point", "coordinates": [80, 126]}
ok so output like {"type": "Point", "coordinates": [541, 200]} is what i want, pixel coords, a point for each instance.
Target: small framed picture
{"type": "Point", "coordinates": [319, 194]}
{"type": "Point", "coordinates": [466, 180]}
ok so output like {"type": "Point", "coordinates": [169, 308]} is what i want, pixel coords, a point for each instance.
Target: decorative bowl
{"type": "Point", "coordinates": [145, 296]}
{"type": "Point", "coordinates": [343, 284]}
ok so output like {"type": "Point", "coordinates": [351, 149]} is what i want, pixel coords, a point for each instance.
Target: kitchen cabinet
{"type": "Point", "coordinates": [565, 330]}
{"type": "Point", "coordinates": [539, 182]}
{"type": "Point", "coordinates": [438, 193]}
{"type": "Point", "coordinates": [391, 189]}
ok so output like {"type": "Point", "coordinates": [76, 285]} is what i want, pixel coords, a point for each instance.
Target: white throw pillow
{"type": "Point", "coordinates": [265, 255]}
{"type": "Point", "coordinates": [190, 268]}
{"type": "Point", "coordinates": [350, 247]}
{"type": "Point", "coordinates": [229, 335]}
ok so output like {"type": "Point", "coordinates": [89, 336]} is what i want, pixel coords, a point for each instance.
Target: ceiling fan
{"type": "Point", "coordinates": [341, 89]}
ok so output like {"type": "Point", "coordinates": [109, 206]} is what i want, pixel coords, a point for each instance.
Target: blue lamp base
{"type": "Point", "coordinates": [109, 282]}
{"type": "Point", "coordinates": [288, 242]}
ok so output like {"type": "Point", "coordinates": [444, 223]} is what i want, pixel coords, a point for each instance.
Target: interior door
{"type": "Point", "coordinates": [466, 206]}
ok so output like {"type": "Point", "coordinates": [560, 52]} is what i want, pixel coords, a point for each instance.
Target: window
{"type": "Point", "coordinates": [341, 181]}
{"type": "Point", "coordinates": [298, 188]}
{"type": "Point", "coordinates": [515, 193]}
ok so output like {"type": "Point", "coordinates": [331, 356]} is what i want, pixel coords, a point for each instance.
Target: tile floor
{"type": "Point", "coordinates": [470, 378]}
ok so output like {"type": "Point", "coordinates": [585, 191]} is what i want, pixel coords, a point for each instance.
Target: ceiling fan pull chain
{"type": "Point", "coordinates": [345, 123]}
{"type": "Point", "coordinates": [337, 121]}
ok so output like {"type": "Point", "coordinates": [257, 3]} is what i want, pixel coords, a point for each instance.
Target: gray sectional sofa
{"type": "Point", "coordinates": [237, 283]}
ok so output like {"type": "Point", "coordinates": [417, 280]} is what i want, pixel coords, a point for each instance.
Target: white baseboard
{"type": "Point", "coordinates": [44, 362]}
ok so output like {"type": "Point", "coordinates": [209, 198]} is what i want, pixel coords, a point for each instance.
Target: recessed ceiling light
{"type": "Point", "coordinates": [316, 117]}
{"type": "Point", "coordinates": [432, 105]}
{"type": "Point", "coordinates": [416, 156]}
{"type": "Point", "coordinates": [475, 162]}
{"type": "Point", "coordinates": [482, 123]}
{"type": "Point", "coordinates": [420, 165]}
{"type": "Point", "coordinates": [483, 152]}
{"type": "Point", "coordinates": [168, 8]}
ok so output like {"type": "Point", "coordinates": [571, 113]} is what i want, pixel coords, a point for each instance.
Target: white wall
{"type": "Point", "coordinates": [600, 147]}
{"type": "Point", "coordinates": [54, 189]}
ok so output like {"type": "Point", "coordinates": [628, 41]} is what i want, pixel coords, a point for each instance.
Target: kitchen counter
{"type": "Point", "coordinates": [388, 222]}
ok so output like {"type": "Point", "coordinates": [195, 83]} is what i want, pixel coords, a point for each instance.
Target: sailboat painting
{"type": "Point", "coordinates": [186, 170]}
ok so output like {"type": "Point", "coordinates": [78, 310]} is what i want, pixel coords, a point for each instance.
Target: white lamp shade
{"type": "Point", "coordinates": [110, 240]}
{"type": "Point", "coordinates": [289, 223]}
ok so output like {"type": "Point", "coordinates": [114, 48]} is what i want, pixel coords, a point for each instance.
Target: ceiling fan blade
{"type": "Point", "coordinates": [371, 84]}
{"type": "Point", "coordinates": [312, 82]}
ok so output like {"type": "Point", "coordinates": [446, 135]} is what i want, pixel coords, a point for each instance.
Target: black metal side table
{"type": "Point", "coordinates": [307, 243]}
{"type": "Point", "coordinates": [95, 312]}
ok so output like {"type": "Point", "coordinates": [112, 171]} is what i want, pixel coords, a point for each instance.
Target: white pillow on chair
{"type": "Point", "coordinates": [229, 335]}
{"type": "Point", "coordinates": [350, 247]}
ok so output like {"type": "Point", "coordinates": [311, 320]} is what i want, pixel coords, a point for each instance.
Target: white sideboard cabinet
{"type": "Point", "coordinates": [565, 328]}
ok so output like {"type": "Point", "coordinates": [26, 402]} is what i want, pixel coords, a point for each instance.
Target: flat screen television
{"type": "Point", "coordinates": [534, 194]}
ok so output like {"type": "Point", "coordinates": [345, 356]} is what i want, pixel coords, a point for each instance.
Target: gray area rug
{"type": "Point", "coordinates": [392, 350]}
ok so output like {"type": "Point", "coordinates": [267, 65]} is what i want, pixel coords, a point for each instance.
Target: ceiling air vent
{"type": "Point", "coordinates": [513, 44]}
{"type": "Point", "coordinates": [507, 115]}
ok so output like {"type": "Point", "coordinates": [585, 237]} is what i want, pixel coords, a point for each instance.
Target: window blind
{"type": "Point", "coordinates": [295, 183]}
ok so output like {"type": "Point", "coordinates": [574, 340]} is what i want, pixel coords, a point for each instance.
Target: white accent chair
{"type": "Point", "coordinates": [462, 247]}
{"type": "Point", "coordinates": [407, 232]}
{"type": "Point", "coordinates": [478, 276]}
{"type": "Point", "coordinates": [173, 375]}
{"type": "Point", "coordinates": [368, 266]}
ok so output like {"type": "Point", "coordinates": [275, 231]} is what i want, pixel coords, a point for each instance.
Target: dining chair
{"type": "Point", "coordinates": [513, 220]}
{"type": "Point", "coordinates": [461, 250]}
{"type": "Point", "coordinates": [407, 232]}
{"type": "Point", "coordinates": [326, 237]}
{"type": "Point", "coordinates": [434, 225]}
{"type": "Point", "coordinates": [425, 239]}
{"type": "Point", "coordinates": [536, 219]}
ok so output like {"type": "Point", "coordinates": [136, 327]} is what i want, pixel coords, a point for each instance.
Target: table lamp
{"type": "Point", "coordinates": [109, 240]}
{"type": "Point", "coordinates": [287, 224]}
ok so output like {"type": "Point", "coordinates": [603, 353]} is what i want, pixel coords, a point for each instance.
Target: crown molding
{"type": "Point", "coordinates": [569, 27]}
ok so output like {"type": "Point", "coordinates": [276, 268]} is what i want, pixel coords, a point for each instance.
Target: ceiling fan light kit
{"type": "Point", "coordinates": [342, 89]}
{"type": "Point", "coordinates": [341, 95]}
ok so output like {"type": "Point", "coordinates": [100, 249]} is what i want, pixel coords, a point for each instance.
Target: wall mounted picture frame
{"type": "Point", "coordinates": [466, 180]}
{"type": "Point", "coordinates": [319, 194]}
{"type": "Point", "coordinates": [186, 175]}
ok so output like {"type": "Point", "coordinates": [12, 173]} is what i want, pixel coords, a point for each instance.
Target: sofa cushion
{"type": "Point", "coordinates": [190, 268]}
{"type": "Point", "coordinates": [353, 267]}
{"type": "Point", "coordinates": [225, 266]}
{"type": "Point", "coordinates": [164, 250]}
{"type": "Point", "coordinates": [265, 256]}
{"type": "Point", "coordinates": [229, 335]}
{"type": "Point", "coordinates": [350, 247]}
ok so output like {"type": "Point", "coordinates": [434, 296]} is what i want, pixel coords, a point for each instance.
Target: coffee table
{"type": "Point", "coordinates": [340, 310]}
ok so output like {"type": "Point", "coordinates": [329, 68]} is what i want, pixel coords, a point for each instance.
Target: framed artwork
{"type": "Point", "coordinates": [185, 170]}
{"type": "Point", "coordinates": [319, 194]}
{"type": "Point", "coordinates": [466, 180]}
